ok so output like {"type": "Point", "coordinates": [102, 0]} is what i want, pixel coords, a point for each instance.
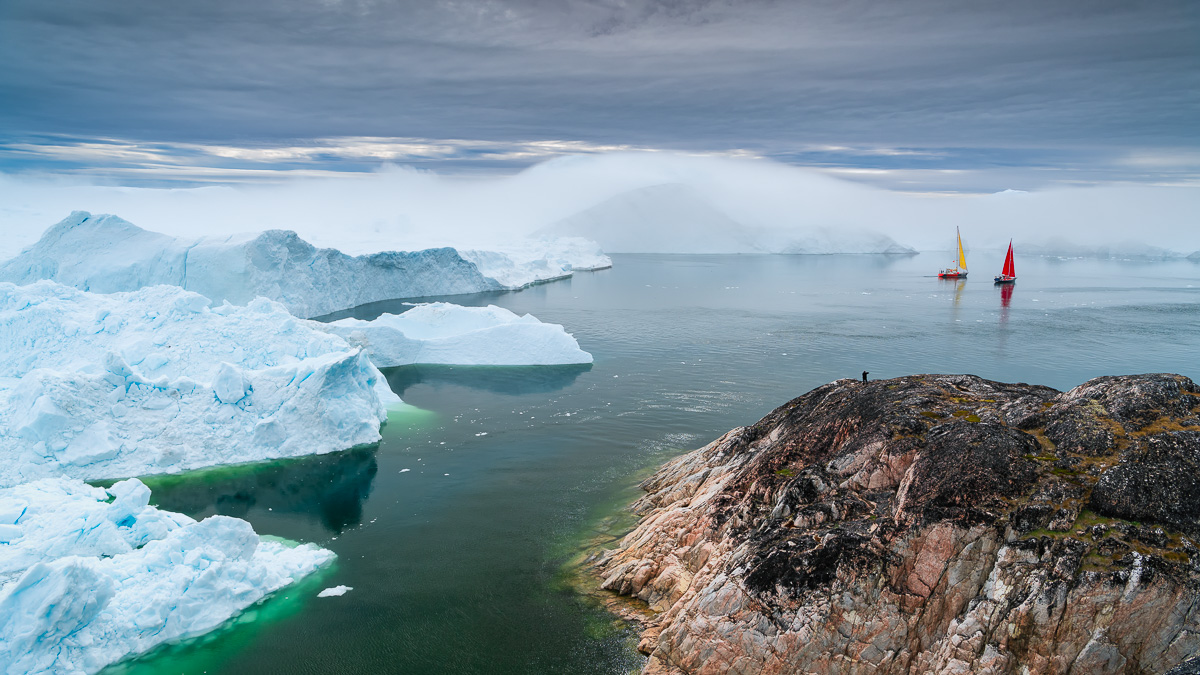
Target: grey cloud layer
{"type": "Point", "coordinates": [683, 74]}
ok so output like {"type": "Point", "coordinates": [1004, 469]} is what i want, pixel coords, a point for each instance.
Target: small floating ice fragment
{"type": "Point", "coordinates": [336, 590]}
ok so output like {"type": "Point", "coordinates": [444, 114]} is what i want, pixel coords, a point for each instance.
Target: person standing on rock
{"type": "Point", "coordinates": [865, 373]}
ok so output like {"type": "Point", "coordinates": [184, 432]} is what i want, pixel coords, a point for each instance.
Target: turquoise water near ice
{"type": "Point", "coordinates": [456, 563]}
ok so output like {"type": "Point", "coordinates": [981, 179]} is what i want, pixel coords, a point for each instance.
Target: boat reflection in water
{"type": "Point", "coordinates": [1006, 291]}
{"type": "Point", "coordinates": [956, 285]}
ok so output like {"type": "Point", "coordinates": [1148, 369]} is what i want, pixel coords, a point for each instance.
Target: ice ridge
{"type": "Point", "coordinates": [106, 254]}
{"type": "Point", "coordinates": [154, 381]}
{"type": "Point", "coordinates": [85, 581]}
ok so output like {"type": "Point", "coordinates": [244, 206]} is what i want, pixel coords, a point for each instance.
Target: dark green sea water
{"type": "Point", "coordinates": [456, 564]}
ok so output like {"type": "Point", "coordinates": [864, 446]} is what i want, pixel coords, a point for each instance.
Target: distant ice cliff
{"type": "Point", "coordinates": [106, 254]}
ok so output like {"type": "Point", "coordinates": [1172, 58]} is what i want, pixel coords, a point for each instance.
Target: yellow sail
{"type": "Point", "coordinates": [962, 259]}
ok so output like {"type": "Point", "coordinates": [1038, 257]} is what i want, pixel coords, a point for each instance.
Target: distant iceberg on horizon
{"type": "Point", "coordinates": [1060, 248]}
{"type": "Point", "coordinates": [107, 254]}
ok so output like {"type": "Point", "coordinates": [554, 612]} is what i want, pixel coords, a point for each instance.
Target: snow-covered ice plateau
{"type": "Point", "coordinates": [85, 581]}
{"type": "Point", "coordinates": [443, 333]}
{"type": "Point", "coordinates": [156, 381]}
{"type": "Point", "coordinates": [107, 254]}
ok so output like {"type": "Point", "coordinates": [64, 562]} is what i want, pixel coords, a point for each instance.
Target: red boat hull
{"type": "Point", "coordinates": [952, 275]}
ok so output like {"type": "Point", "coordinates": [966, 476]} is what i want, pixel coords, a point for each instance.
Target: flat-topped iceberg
{"type": "Point", "coordinates": [443, 333]}
{"type": "Point", "coordinates": [106, 254]}
{"type": "Point", "coordinates": [154, 381]}
{"type": "Point", "coordinates": [85, 581]}
{"type": "Point", "coordinates": [520, 263]}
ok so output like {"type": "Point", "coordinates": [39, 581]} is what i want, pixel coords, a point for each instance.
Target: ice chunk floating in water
{"type": "Point", "coordinates": [85, 583]}
{"type": "Point", "coordinates": [334, 591]}
{"type": "Point", "coordinates": [107, 254]}
{"type": "Point", "coordinates": [443, 333]}
{"type": "Point", "coordinates": [155, 381]}
{"type": "Point", "coordinates": [520, 263]}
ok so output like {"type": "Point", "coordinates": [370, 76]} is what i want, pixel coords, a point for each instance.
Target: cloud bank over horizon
{"type": "Point", "coordinates": [913, 94]}
{"type": "Point", "coordinates": [628, 202]}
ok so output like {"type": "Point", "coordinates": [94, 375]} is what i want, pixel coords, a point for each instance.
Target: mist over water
{"type": "Point", "coordinates": [710, 205]}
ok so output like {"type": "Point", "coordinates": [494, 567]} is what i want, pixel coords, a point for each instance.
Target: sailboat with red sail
{"type": "Point", "coordinates": [1009, 273]}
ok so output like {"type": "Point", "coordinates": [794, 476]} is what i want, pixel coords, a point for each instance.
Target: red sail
{"type": "Point", "coordinates": [1009, 269]}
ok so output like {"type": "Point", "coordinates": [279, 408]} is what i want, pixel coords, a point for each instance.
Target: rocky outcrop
{"type": "Point", "coordinates": [929, 524]}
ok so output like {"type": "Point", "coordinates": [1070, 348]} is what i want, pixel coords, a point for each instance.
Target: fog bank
{"type": "Point", "coordinates": [628, 202]}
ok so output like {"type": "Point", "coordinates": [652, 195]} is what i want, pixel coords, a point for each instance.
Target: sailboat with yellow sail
{"type": "Point", "coordinates": [959, 271]}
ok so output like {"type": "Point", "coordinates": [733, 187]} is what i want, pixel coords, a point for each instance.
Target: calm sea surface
{"type": "Point", "coordinates": [454, 530]}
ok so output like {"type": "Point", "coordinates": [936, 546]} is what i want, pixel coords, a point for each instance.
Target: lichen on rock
{"type": "Point", "coordinates": [931, 524]}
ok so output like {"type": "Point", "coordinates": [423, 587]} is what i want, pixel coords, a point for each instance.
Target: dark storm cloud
{"type": "Point", "coordinates": [775, 78]}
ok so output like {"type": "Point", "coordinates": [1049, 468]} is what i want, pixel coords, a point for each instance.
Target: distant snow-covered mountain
{"type": "Point", "coordinates": [677, 218]}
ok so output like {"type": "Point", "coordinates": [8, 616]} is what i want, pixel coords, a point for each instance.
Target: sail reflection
{"type": "Point", "coordinates": [959, 285]}
{"type": "Point", "coordinates": [949, 284]}
{"type": "Point", "coordinates": [1006, 293]}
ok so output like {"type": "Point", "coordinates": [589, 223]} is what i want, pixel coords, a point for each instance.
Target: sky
{"type": "Point", "coordinates": [937, 96]}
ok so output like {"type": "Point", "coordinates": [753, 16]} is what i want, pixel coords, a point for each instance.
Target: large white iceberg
{"type": "Point", "coordinates": [85, 581]}
{"type": "Point", "coordinates": [521, 263]}
{"type": "Point", "coordinates": [155, 381]}
{"type": "Point", "coordinates": [443, 333]}
{"type": "Point", "coordinates": [106, 254]}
